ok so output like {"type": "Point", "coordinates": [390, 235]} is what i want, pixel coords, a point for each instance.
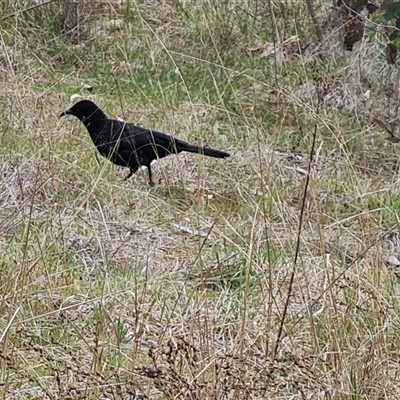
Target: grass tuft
{"type": "Point", "coordinates": [112, 289]}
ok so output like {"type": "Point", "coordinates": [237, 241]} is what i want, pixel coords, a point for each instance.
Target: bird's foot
{"type": "Point", "coordinates": [128, 176]}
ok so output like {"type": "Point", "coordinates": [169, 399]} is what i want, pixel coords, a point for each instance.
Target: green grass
{"type": "Point", "coordinates": [110, 288]}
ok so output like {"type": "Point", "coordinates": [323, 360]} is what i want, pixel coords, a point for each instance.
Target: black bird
{"type": "Point", "coordinates": [128, 145]}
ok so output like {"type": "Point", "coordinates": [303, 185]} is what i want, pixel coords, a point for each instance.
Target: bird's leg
{"type": "Point", "coordinates": [129, 175]}
{"type": "Point", "coordinates": [151, 183]}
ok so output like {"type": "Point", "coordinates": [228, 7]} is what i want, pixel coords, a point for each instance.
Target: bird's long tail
{"type": "Point", "coordinates": [205, 151]}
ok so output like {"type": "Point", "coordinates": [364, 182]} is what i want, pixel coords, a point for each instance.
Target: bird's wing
{"type": "Point", "coordinates": [144, 137]}
{"type": "Point", "coordinates": [146, 144]}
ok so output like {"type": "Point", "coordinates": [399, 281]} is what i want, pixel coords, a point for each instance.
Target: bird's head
{"type": "Point", "coordinates": [86, 111]}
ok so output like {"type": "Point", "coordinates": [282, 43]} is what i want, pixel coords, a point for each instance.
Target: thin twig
{"type": "Point", "coordinates": [311, 10]}
{"type": "Point", "coordinates": [297, 252]}
{"type": "Point", "coordinates": [26, 10]}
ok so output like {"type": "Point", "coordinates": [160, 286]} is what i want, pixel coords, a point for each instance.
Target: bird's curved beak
{"type": "Point", "coordinates": [66, 112]}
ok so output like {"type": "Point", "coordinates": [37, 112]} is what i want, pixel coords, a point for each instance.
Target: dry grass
{"type": "Point", "coordinates": [118, 290]}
